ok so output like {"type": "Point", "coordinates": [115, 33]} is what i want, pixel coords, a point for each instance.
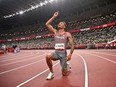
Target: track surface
{"type": "Point", "coordinates": [90, 68]}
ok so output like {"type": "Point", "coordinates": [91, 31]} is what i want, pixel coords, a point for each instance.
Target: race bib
{"type": "Point", "coordinates": [59, 46]}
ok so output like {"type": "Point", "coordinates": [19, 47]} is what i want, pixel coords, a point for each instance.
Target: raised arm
{"type": "Point", "coordinates": [48, 23]}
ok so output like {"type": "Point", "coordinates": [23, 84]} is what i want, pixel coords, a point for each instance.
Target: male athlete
{"type": "Point", "coordinates": [61, 40]}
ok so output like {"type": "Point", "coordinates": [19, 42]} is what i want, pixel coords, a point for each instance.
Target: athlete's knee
{"type": "Point", "coordinates": [65, 72]}
{"type": "Point", "coordinates": [48, 56]}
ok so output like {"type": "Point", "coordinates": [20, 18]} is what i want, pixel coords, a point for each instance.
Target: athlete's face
{"type": "Point", "coordinates": [61, 25]}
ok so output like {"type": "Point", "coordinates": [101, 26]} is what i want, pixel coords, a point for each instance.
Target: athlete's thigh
{"type": "Point", "coordinates": [55, 56]}
{"type": "Point", "coordinates": [63, 61]}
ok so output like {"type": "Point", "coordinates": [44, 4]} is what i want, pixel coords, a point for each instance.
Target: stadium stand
{"type": "Point", "coordinates": [93, 30]}
{"type": "Point", "coordinates": [85, 37]}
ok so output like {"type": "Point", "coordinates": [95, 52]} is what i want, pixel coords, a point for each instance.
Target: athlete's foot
{"type": "Point", "coordinates": [50, 76]}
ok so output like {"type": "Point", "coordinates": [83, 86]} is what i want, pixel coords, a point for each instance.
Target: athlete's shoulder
{"type": "Point", "coordinates": [68, 33]}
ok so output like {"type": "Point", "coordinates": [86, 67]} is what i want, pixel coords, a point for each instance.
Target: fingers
{"type": "Point", "coordinates": [56, 14]}
{"type": "Point", "coordinates": [68, 58]}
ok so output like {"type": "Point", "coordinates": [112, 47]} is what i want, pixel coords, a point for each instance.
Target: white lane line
{"type": "Point", "coordinates": [105, 53]}
{"type": "Point", "coordinates": [86, 71]}
{"type": "Point", "coordinates": [103, 58]}
{"type": "Point", "coordinates": [8, 55]}
{"type": "Point", "coordinates": [21, 67]}
{"type": "Point", "coordinates": [18, 58]}
{"type": "Point", "coordinates": [12, 55]}
{"type": "Point", "coordinates": [35, 76]}
{"type": "Point", "coordinates": [21, 60]}
{"type": "Point", "coordinates": [14, 58]}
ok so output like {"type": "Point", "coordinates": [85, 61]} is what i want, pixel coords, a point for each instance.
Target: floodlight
{"type": "Point", "coordinates": [41, 4]}
{"type": "Point", "coordinates": [21, 12]}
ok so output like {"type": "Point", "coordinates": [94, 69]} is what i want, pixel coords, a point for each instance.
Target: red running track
{"type": "Point", "coordinates": [90, 68]}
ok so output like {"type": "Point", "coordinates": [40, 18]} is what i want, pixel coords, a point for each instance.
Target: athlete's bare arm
{"type": "Point", "coordinates": [70, 39]}
{"type": "Point", "coordinates": [48, 23]}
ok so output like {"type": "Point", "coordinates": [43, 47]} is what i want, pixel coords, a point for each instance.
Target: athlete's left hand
{"type": "Point", "coordinates": [69, 57]}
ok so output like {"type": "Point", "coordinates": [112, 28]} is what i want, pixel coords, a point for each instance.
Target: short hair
{"type": "Point", "coordinates": [64, 23]}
